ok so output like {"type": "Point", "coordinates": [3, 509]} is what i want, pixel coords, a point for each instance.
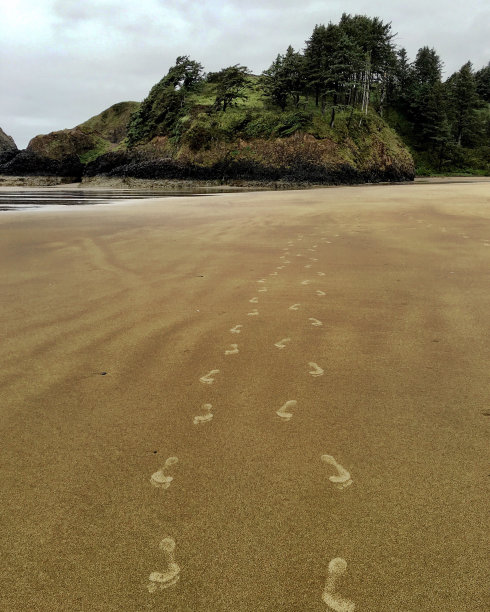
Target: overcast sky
{"type": "Point", "coordinates": [63, 61]}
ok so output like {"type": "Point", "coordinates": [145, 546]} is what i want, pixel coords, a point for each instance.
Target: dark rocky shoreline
{"type": "Point", "coordinates": [123, 165]}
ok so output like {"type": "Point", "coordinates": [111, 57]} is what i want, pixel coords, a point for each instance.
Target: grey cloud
{"type": "Point", "coordinates": [92, 54]}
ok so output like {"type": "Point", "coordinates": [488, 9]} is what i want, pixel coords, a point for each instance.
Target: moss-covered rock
{"type": "Point", "coordinates": [100, 134]}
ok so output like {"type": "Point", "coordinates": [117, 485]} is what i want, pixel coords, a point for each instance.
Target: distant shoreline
{"type": "Point", "coordinates": [100, 182]}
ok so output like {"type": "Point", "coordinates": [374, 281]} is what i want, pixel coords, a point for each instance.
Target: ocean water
{"type": "Point", "coordinates": [30, 198]}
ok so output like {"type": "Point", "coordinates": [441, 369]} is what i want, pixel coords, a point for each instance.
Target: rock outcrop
{"type": "Point", "coordinates": [6, 142]}
{"type": "Point", "coordinates": [100, 134]}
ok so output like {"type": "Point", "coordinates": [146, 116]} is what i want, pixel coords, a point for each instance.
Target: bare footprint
{"type": "Point", "coordinates": [254, 300]}
{"type": "Point", "coordinates": [316, 370]}
{"type": "Point", "coordinates": [158, 479]}
{"type": "Point", "coordinates": [319, 292]}
{"type": "Point", "coordinates": [233, 350]}
{"type": "Point", "coordinates": [282, 343]}
{"type": "Point", "coordinates": [254, 313]}
{"type": "Point", "coordinates": [261, 280]}
{"type": "Point", "coordinates": [279, 267]}
{"type": "Point", "coordinates": [237, 329]}
{"type": "Point", "coordinates": [163, 580]}
{"type": "Point", "coordinates": [308, 266]}
{"type": "Point", "coordinates": [336, 568]}
{"type": "Point", "coordinates": [206, 417]}
{"type": "Point", "coordinates": [263, 290]}
{"type": "Point", "coordinates": [306, 282]}
{"type": "Point", "coordinates": [294, 307]}
{"type": "Point", "coordinates": [283, 410]}
{"type": "Point", "coordinates": [273, 274]}
{"type": "Point", "coordinates": [321, 273]}
{"type": "Point", "coordinates": [313, 258]}
{"type": "Point", "coordinates": [207, 378]}
{"type": "Point", "coordinates": [315, 322]}
{"type": "Point", "coordinates": [342, 480]}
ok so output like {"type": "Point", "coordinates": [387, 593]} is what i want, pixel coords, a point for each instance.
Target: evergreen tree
{"type": "Point", "coordinates": [230, 84]}
{"type": "Point", "coordinates": [427, 67]}
{"type": "Point", "coordinates": [463, 102]}
{"type": "Point", "coordinates": [285, 79]}
{"type": "Point", "coordinates": [374, 39]}
{"type": "Point", "coordinates": [164, 105]}
{"type": "Point", "coordinates": [482, 78]}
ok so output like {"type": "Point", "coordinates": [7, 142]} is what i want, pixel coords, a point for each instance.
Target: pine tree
{"type": "Point", "coordinates": [463, 102]}
{"type": "Point", "coordinates": [230, 84]}
{"type": "Point", "coordinates": [482, 78]}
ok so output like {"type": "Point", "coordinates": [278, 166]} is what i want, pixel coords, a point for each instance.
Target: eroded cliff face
{"type": "Point", "coordinates": [300, 158]}
{"type": "Point", "coordinates": [6, 142]}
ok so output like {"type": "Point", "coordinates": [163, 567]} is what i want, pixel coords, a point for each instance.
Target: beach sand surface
{"type": "Point", "coordinates": [112, 314]}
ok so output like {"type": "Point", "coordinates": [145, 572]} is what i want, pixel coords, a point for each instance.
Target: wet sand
{"type": "Point", "coordinates": [113, 320]}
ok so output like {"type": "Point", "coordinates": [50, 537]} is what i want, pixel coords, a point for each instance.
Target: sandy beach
{"type": "Point", "coordinates": [360, 314]}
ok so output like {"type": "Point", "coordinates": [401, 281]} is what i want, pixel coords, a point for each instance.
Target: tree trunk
{"type": "Point", "coordinates": [332, 117]}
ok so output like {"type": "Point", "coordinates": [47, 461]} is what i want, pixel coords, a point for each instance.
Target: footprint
{"type": "Point", "coordinates": [319, 292]}
{"type": "Point", "coordinates": [305, 282]}
{"type": "Point", "coordinates": [321, 273]}
{"type": "Point", "coordinates": [262, 290]}
{"type": "Point", "coordinates": [314, 246]}
{"type": "Point", "coordinates": [207, 378]}
{"type": "Point", "coordinates": [294, 307]}
{"type": "Point", "coordinates": [308, 266]}
{"type": "Point", "coordinates": [237, 329]}
{"type": "Point", "coordinates": [315, 322]}
{"type": "Point", "coordinates": [281, 344]}
{"type": "Point", "coordinates": [286, 261]}
{"type": "Point", "coordinates": [163, 580]}
{"type": "Point", "coordinates": [273, 274]}
{"type": "Point", "coordinates": [279, 267]}
{"type": "Point", "coordinates": [233, 350]}
{"type": "Point", "coordinates": [261, 280]}
{"type": "Point", "coordinates": [254, 300]}
{"type": "Point", "coordinates": [204, 418]}
{"type": "Point", "coordinates": [158, 479]}
{"type": "Point", "coordinates": [316, 370]}
{"type": "Point", "coordinates": [342, 480]}
{"type": "Point", "coordinates": [299, 255]}
{"type": "Point", "coordinates": [313, 258]}
{"type": "Point", "coordinates": [283, 410]}
{"type": "Point", "coordinates": [254, 313]}
{"type": "Point", "coordinates": [336, 568]}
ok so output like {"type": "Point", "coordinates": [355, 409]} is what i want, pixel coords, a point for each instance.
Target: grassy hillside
{"type": "Point", "coordinates": [99, 134]}
{"type": "Point", "coordinates": [255, 131]}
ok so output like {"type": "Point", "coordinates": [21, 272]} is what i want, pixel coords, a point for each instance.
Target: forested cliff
{"type": "Point", "coordinates": [349, 107]}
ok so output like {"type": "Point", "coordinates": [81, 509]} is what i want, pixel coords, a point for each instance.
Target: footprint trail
{"type": "Point", "coordinates": [336, 568]}
{"type": "Point", "coordinates": [208, 379]}
{"type": "Point", "coordinates": [282, 343]}
{"type": "Point", "coordinates": [283, 410]}
{"type": "Point", "coordinates": [158, 479]}
{"type": "Point", "coordinates": [163, 580]}
{"type": "Point", "coordinates": [342, 480]}
{"type": "Point", "coordinates": [316, 370]}
{"type": "Point", "coordinates": [206, 417]}
{"type": "Point", "coordinates": [233, 350]}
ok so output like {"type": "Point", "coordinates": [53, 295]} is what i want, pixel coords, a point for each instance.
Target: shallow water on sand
{"type": "Point", "coordinates": [27, 199]}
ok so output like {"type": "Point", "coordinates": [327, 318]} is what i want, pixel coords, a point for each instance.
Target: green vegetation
{"type": "Point", "coordinates": [350, 98]}
{"type": "Point", "coordinates": [350, 79]}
